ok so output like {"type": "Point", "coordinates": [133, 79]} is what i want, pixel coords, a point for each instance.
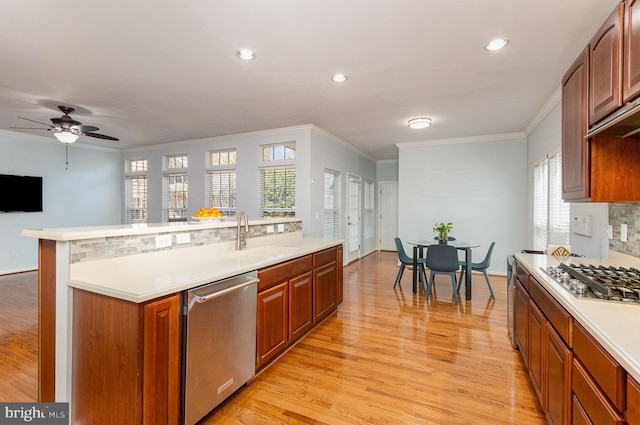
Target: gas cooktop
{"type": "Point", "coordinates": [602, 282]}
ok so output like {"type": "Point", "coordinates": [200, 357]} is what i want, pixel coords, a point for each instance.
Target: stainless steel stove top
{"type": "Point", "coordinates": [617, 284]}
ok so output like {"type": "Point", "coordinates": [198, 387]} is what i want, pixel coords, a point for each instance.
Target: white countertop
{"type": "Point", "coordinates": [143, 277]}
{"type": "Point", "coordinates": [613, 324]}
{"type": "Point", "coordinates": [91, 232]}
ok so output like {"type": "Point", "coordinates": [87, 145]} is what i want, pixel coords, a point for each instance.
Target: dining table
{"type": "Point", "coordinates": [418, 252]}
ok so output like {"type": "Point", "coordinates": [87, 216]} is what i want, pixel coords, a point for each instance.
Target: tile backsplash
{"type": "Point", "coordinates": [120, 246]}
{"type": "Point", "coordinates": [625, 213]}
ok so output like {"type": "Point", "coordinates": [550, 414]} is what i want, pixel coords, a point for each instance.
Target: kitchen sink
{"type": "Point", "coordinates": [262, 252]}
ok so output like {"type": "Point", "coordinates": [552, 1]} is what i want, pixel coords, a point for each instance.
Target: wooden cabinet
{"type": "Point", "coordinates": [558, 355]}
{"type": "Point", "coordinates": [633, 402]}
{"type": "Point", "coordinates": [575, 148]}
{"type": "Point", "coordinates": [292, 298]}
{"type": "Point", "coordinates": [605, 66]}
{"type": "Point", "coordinates": [340, 276]}
{"type": "Point", "coordinates": [537, 325]}
{"type": "Point", "coordinates": [594, 405]}
{"type": "Point", "coordinates": [300, 305]}
{"type": "Point", "coordinates": [272, 323]}
{"type": "Point", "coordinates": [631, 56]}
{"type": "Point", "coordinates": [522, 321]}
{"type": "Point", "coordinates": [129, 373]}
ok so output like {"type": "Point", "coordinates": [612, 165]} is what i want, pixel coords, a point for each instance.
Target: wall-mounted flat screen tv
{"type": "Point", "coordinates": [20, 193]}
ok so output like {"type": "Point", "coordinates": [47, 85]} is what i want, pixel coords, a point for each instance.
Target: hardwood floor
{"type": "Point", "coordinates": [386, 357]}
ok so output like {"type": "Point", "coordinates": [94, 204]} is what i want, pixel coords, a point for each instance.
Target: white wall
{"type": "Point", "coordinates": [387, 171]}
{"type": "Point", "coordinates": [87, 193]}
{"type": "Point", "coordinates": [478, 185]}
{"type": "Point", "coordinates": [544, 139]}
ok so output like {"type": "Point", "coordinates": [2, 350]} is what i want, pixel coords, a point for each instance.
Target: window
{"type": "Point", "coordinates": [368, 209]}
{"type": "Point", "coordinates": [279, 152]}
{"type": "Point", "coordinates": [175, 189]}
{"type": "Point", "coordinates": [136, 191]}
{"type": "Point", "coordinates": [332, 211]}
{"type": "Point", "coordinates": [221, 182]}
{"type": "Point", "coordinates": [550, 212]}
{"type": "Point", "coordinates": [277, 185]}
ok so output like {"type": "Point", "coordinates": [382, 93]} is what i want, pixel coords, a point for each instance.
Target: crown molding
{"type": "Point", "coordinates": [461, 140]}
{"type": "Point", "coordinates": [551, 103]}
{"type": "Point", "coordinates": [332, 137]}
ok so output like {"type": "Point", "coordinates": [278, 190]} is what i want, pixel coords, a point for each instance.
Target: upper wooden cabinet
{"type": "Point", "coordinates": [631, 57]}
{"type": "Point", "coordinates": [575, 148]}
{"type": "Point", "coordinates": [605, 65]}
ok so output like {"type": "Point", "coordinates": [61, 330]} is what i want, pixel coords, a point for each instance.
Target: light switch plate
{"type": "Point", "coordinates": [270, 228]}
{"type": "Point", "coordinates": [183, 238]}
{"type": "Point", "coordinates": [610, 231]}
{"type": "Point", "coordinates": [623, 232]}
{"type": "Point", "coordinates": [280, 227]}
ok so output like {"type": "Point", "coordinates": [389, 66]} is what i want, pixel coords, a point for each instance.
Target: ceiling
{"type": "Point", "coordinates": [151, 72]}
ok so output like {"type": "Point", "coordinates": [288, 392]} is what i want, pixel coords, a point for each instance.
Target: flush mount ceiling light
{"type": "Point", "coordinates": [339, 78]}
{"type": "Point", "coordinates": [246, 54]}
{"type": "Point", "coordinates": [66, 136]}
{"type": "Point", "coordinates": [419, 123]}
{"type": "Point", "coordinates": [496, 44]}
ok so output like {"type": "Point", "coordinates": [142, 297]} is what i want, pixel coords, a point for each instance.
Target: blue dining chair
{"type": "Point", "coordinates": [482, 266]}
{"type": "Point", "coordinates": [405, 260]}
{"type": "Point", "coordinates": [442, 259]}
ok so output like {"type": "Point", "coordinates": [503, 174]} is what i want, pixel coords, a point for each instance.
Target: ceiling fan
{"type": "Point", "coordinates": [66, 129]}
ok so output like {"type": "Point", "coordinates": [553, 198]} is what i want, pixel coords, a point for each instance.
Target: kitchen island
{"type": "Point", "coordinates": [583, 354]}
{"type": "Point", "coordinates": [131, 278]}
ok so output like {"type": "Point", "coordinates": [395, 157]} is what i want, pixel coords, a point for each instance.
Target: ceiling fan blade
{"type": "Point", "coordinates": [100, 136]}
{"type": "Point", "coordinates": [29, 128]}
{"type": "Point", "coordinates": [37, 122]}
{"type": "Point", "coordinates": [86, 128]}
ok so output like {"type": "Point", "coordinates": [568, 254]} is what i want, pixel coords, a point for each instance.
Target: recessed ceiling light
{"type": "Point", "coordinates": [419, 123]}
{"type": "Point", "coordinates": [496, 44]}
{"type": "Point", "coordinates": [339, 78]}
{"type": "Point", "coordinates": [246, 54]}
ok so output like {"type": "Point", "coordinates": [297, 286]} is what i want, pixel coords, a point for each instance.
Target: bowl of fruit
{"type": "Point", "coordinates": [208, 214]}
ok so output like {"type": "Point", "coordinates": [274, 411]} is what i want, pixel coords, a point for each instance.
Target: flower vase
{"type": "Point", "coordinates": [443, 239]}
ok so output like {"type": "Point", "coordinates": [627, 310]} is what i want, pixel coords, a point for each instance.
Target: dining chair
{"type": "Point", "coordinates": [482, 266]}
{"type": "Point", "coordinates": [405, 260]}
{"type": "Point", "coordinates": [442, 259]}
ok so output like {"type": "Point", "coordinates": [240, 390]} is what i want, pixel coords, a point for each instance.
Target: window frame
{"type": "Point", "coordinates": [131, 175]}
{"type": "Point", "coordinates": [332, 205]}
{"type": "Point", "coordinates": [551, 214]}
{"type": "Point", "coordinates": [170, 213]}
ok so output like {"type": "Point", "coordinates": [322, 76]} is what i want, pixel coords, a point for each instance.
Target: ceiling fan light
{"type": "Point", "coordinates": [419, 123]}
{"type": "Point", "coordinates": [66, 137]}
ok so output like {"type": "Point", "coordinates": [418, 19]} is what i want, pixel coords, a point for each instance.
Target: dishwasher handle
{"type": "Point", "coordinates": [204, 298]}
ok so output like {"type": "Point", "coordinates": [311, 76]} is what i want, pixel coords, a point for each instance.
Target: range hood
{"type": "Point", "coordinates": [623, 123]}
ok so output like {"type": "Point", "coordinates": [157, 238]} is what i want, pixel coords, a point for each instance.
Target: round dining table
{"type": "Point", "coordinates": [418, 252]}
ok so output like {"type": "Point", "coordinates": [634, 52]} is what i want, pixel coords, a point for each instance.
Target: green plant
{"type": "Point", "coordinates": [442, 229]}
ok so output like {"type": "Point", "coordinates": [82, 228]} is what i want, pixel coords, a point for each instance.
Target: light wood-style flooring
{"type": "Point", "coordinates": [386, 357]}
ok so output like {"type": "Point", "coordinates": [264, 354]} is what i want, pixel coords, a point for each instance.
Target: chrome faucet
{"type": "Point", "coordinates": [241, 241]}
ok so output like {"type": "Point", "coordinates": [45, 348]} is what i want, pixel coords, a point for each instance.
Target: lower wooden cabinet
{"type": "Point", "coordinates": [292, 298]}
{"type": "Point", "coordinates": [522, 321]}
{"type": "Point", "coordinates": [596, 407]}
{"type": "Point", "coordinates": [633, 402]}
{"type": "Point", "coordinates": [557, 386]}
{"type": "Point", "coordinates": [129, 373]}
{"type": "Point", "coordinates": [272, 323]}
{"type": "Point", "coordinates": [537, 325]}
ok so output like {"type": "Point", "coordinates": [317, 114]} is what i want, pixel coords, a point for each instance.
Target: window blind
{"type": "Point", "coordinates": [368, 209]}
{"type": "Point", "coordinates": [136, 199]}
{"type": "Point", "coordinates": [332, 210]}
{"type": "Point", "coordinates": [221, 191]}
{"type": "Point", "coordinates": [277, 192]}
{"type": "Point", "coordinates": [550, 212]}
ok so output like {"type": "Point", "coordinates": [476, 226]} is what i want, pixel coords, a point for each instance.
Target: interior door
{"type": "Point", "coordinates": [388, 215]}
{"type": "Point", "coordinates": [354, 195]}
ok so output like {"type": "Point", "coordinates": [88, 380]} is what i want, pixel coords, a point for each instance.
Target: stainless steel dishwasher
{"type": "Point", "coordinates": [219, 342]}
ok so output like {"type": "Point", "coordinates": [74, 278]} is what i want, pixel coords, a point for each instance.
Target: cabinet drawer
{"type": "Point", "coordinates": [606, 372]}
{"type": "Point", "coordinates": [271, 276]}
{"type": "Point", "coordinates": [594, 403]}
{"type": "Point", "coordinates": [554, 312]}
{"type": "Point", "coordinates": [523, 276]}
{"type": "Point", "coordinates": [324, 257]}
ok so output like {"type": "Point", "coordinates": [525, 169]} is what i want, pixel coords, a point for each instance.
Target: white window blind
{"type": "Point", "coordinates": [332, 210]}
{"type": "Point", "coordinates": [136, 199]}
{"type": "Point", "coordinates": [277, 192]}
{"type": "Point", "coordinates": [175, 188]}
{"type": "Point", "coordinates": [550, 212]}
{"type": "Point", "coordinates": [368, 209]}
{"type": "Point", "coordinates": [221, 191]}
{"type": "Point", "coordinates": [136, 192]}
